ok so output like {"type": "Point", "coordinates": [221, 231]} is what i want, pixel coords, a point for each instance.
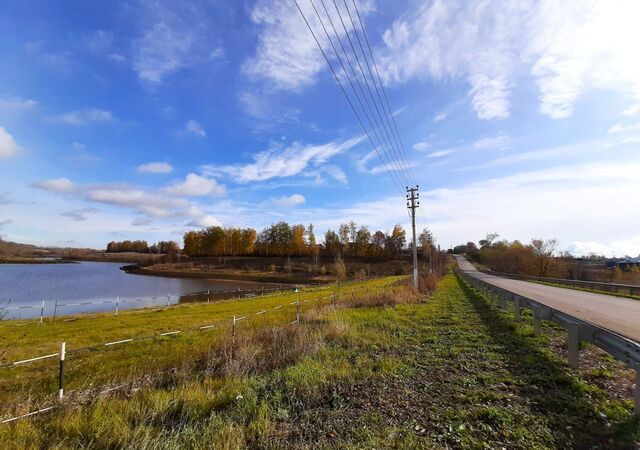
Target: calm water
{"type": "Point", "coordinates": [30, 284]}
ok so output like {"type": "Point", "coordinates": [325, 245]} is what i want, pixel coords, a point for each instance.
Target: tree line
{"type": "Point", "coordinates": [284, 239]}
{"type": "Point", "coordinates": [162, 247]}
{"type": "Point", "coordinates": [536, 258]}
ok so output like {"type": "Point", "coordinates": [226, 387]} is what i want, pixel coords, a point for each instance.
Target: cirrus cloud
{"type": "Point", "coordinates": [8, 146]}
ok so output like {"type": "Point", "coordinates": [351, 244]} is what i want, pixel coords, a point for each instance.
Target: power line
{"type": "Point", "coordinates": [384, 92]}
{"type": "Point", "coordinates": [396, 150]}
{"type": "Point", "coordinates": [344, 92]}
{"type": "Point", "coordinates": [380, 141]}
{"type": "Point", "coordinates": [380, 124]}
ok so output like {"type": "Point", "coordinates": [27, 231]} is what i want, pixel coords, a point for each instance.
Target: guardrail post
{"type": "Point", "coordinates": [516, 308]}
{"type": "Point", "coordinates": [503, 302]}
{"type": "Point", "coordinates": [636, 395]}
{"type": "Point", "coordinates": [63, 351]}
{"type": "Point", "coordinates": [573, 344]}
{"type": "Point", "coordinates": [536, 321]}
{"type": "Point", "coordinates": [42, 312]}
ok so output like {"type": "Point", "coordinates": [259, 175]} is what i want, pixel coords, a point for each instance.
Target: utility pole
{"type": "Point", "coordinates": [412, 204]}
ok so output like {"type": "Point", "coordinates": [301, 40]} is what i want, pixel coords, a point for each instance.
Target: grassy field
{"type": "Point", "coordinates": [450, 372]}
{"type": "Point", "coordinates": [90, 364]}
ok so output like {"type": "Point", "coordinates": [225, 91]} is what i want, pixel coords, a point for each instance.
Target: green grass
{"type": "Point", "coordinates": [453, 372]}
{"type": "Point", "coordinates": [90, 369]}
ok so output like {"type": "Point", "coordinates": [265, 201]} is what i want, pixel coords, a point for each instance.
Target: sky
{"type": "Point", "coordinates": [146, 119]}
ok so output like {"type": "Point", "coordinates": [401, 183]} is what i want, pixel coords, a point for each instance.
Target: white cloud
{"type": "Point", "coordinates": [116, 57]}
{"type": "Point", "coordinates": [288, 202]}
{"type": "Point", "coordinates": [630, 140]}
{"type": "Point", "coordinates": [567, 47]}
{"type": "Point", "coordinates": [175, 38]}
{"type": "Point", "coordinates": [196, 186]}
{"type": "Point", "coordinates": [440, 117]}
{"type": "Point", "coordinates": [632, 110]}
{"type": "Point", "coordinates": [84, 117]}
{"type": "Point", "coordinates": [17, 105]}
{"type": "Point", "coordinates": [59, 185]}
{"type": "Point", "coordinates": [161, 51]}
{"type": "Point", "coordinates": [144, 202]}
{"type": "Point", "coordinates": [155, 167]}
{"type": "Point", "coordinates": [335, 172]}
{"type": "Point", "coordinates": [574, 203]}
{"type": "Point", "coordinates": [440, 153]}
{"type": "Point", "coordinates": [5, 222]}
{"type": "Point", "coordinates": [494, 143]}
{"type": "Point", "coordinates": [619, 128]}
{"type": "Point", "coordinates": [287, 55]}
{"type": "Point", "coordinates": [278, 161]}
{"type": "Point", "coordinates": [204, 221]}
{"type": "Point", "coordinates": [194, 127]}
{"type": "Point", "coordinates": [8, 146]}
{"type": "Point", "coordinates": [618, 248]}
{"type": "Point", "coordinates": [5, 198]}
{"type": "Point", "coordinates": [79, 215]}
{"type": "Point", "coordinates": [421, 146]}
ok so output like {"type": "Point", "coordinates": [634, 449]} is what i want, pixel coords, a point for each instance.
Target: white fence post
{"type": "Point", "coordinates": [42, 312]}
{"type": "Point", "coordinates": [169, 300]}
{"type": "Point", "coordinates": [63, 351]}
{"type": "Point", "coordinates": [117, 304]}
{"type": "Point", "coordinates": [636, 394]}
{"type": "Point", "coordinates": [298, 311]}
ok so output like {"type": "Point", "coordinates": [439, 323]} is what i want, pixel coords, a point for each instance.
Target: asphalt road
{"type": "Point", "coordinates": [617, 314]}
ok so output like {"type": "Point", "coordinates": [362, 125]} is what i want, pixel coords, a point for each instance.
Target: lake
{"type": "Point", "coordinates": [29, 284]}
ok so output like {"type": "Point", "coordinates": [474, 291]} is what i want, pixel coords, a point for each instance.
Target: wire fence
{"type": "Point", "coordinates": [53, 309]}
{"type": "Point", "coordinates": [335, 297]}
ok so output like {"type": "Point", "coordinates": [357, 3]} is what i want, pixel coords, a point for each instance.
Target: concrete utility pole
{"type": "Point", "coordinates": [412, 204]}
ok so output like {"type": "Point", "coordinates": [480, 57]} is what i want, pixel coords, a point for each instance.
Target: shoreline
{"type": "Point", "coordinates": [135, 269]}
{"type": "Point", "coordinates": [36, 261]}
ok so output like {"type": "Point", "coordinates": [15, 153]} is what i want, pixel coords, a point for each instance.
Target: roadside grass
{"type": "Point", "coordinates": [24, 387]}
{"type": "Point", "coordinates": [451, 372]}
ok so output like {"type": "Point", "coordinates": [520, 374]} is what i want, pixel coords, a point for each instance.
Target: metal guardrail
{"type": "Point", "coordinates": [620, 347]}
{"type": "Point", "coordinates": [632, 289]}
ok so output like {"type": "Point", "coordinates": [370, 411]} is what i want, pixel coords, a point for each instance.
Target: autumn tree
{"type": "Point", "coordinates": [395, 242]}
{"type": "Point", "coordinates": [543, 251]}
{"type": "Point", "coordinates": [343, 234]}
{"type": "Point", "coordinates": [339, 269]}
{"type": "Point", "coordinates": [361, 242]}
{"type": "Point", "coordinates": [378, 244]}
{"type": "Point", "coordinates": [297, 240]}
{"type": "Point", "coordinates": [332, 243]}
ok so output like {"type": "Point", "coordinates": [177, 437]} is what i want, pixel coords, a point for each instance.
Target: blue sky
{"type": "Point", "coordinates": [127, 119]}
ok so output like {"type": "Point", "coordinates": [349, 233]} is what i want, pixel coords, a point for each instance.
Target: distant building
{"type": "Point", "coordinates": [622, 263]}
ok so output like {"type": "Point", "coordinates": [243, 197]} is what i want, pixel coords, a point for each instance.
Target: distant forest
{"type": "Point", "coordinates": [283, 239]}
